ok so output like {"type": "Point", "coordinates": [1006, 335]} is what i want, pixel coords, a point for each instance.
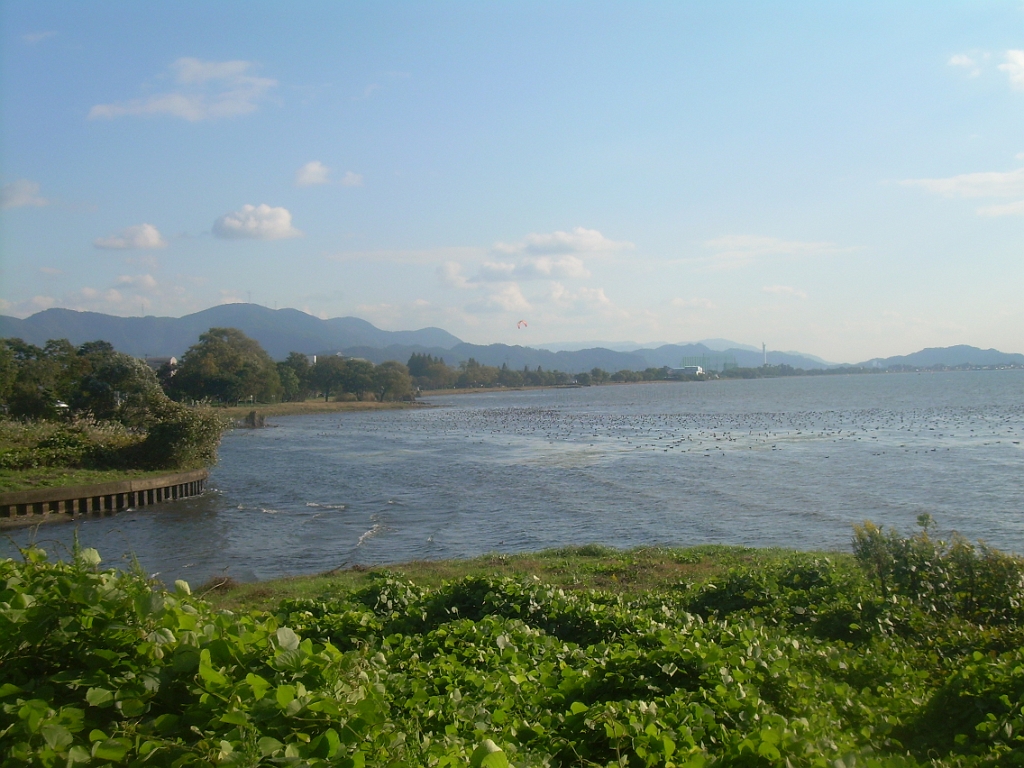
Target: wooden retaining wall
{"type": "Point", "coordinates": [43, 505]}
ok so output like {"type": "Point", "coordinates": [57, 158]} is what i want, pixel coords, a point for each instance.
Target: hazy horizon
{"type": "Point", "coordinates": [847, 181]}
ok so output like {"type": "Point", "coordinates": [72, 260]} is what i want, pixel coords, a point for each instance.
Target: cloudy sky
{"type": "Point", "coordinates": [842, 179]}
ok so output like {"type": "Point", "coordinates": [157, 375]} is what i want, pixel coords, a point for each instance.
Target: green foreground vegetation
{"type": "Point", "coordinates": [907, 653]}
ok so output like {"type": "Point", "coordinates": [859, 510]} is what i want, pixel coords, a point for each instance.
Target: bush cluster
{"type": "Point", "coordinates": [91, 407]}
{"type": "Point", "coordinates": [802, 663]}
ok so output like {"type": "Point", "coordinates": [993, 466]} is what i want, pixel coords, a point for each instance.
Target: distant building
{"type": "Point", "coordinates": [156, 363]}
{"type": "Point", "coordinates": [688, 370]}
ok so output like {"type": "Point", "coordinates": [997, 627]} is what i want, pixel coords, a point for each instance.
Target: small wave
{"type": "Point", "coordinates": [268, 511]}
{"type": "Point", "coordinates": [377, 528]}
{"type": "Point", "coordinates": [326, 506]}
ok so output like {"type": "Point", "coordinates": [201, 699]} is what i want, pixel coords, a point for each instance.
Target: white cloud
{"type": "Point", "coordinates": [256, 222]}
{"type": "Point", "coordinates": [208, 90]}
{"type": "Point", "coordinates": [986, 184]}
{"type": "Point", "coordinates": [965, 62]}
{"type": "Point", "coordinates": [351, 179]}
{"type": "Point", "coordinates": [739, 250]}
{"type": "Point", "coordinates": [422, 256]}
{"type": "Point", "coordinates": [583, 300]}
{"type": "Point", "coordinates": [594, 297]}
{"type": "Point", "coordinates": [137, 237]}
{"type": "Point", "coordinates": [20, 194]}
{"type": "Point", "coordinates": [509, 299]}
{"type": "Point", "coordinates": [191, 70]}
{"type": "Point", "coordinates": [39, 303]}
{"type": "Point", "coordinates": [451, 274]}
{"type": "Point", "coordinates": [534, 268]}
{"type": "Point", "coordinates": [1014, 68]}
{"type": "Point", "coordinates": [138, 282]}
{"type": "Point", "coordinates": [1010, 209]}
{"type": "Point", "coordinates": [579, 240]}
{"type": "Point", "coordinates": [681, 303]}
{"type": "Point", "coordinates": [311, 174]}
{"type": "Point", "coordinates": [784, 290]}
{"type": "Point", "coordinates": [37, 37]}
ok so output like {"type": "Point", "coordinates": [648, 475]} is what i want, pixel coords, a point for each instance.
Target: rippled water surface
{"type": "Point", "coordinates": [784, 462]}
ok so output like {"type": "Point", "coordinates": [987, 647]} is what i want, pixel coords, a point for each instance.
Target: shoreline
{"type": "Point", "coordinates": [238, 412]}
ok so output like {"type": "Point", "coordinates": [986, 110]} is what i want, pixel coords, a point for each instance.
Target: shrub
{"type": "Point", "coordinates": [180, 437]}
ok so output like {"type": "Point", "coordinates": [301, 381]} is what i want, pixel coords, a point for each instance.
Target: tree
{"type": "Point", "coordinates": [118, 387]}
{"type": "Point", "coordinates": [298, 364]}
{"type": "Point", "coordinates": [8, 373]}
{"type": "Point", "coordinates": [509, 378]}
{"type": "Point", "coordinates": [392, 381]}
{"type": "Point", "coordinates": [227, 366]}
{"type": "Point", "coordinates": [291, 387]}
{"type": "Point", "coordinates": [429, 372]}
{"type": "Point", "coordinates": [359, 377]}
{"type": "Point", "coordinates": [42, 377]}
{"type": "Point", "coordinates": [329, 375]}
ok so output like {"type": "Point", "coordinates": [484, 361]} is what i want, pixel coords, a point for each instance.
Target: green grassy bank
{"type": "Point", "coordinates": [908, 652]}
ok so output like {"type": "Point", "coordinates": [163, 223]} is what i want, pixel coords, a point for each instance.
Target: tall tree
{"type": "Point", "coordinates": [227, 366]}
{"type": "Point", "coordinates": [392, 381]}
{"type": "Point", "coordinates": [329, 375]}
{"type": "Point", "coordinates": [359, 377]}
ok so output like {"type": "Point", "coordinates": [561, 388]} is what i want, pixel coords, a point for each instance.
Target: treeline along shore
{"type": "Point", "coordinates": [909, 652]}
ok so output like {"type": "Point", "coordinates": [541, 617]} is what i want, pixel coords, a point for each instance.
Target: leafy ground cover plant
{"type": "Point", "coordinates": [789, 660]}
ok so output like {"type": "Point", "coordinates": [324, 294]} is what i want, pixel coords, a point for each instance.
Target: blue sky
{"type": "Point", "coordinates": [842, 179]}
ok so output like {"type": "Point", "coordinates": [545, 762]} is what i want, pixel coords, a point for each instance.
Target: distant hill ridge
{"type": "Point", "coordinates": [281, 331]}
{"type": "Point", "coordinates": [960, 354]}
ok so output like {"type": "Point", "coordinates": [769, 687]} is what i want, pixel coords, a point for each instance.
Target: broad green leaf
{"type": "Point", "coordinates": [57, 737]}
{"type": "Point", "coordinates": [132, 707]}
{"type": "Point", "coordinates": [258, 684]}
{"type": "Point", "coordinates": [99, 697]}
{"type": "Point", "coordinates": [78, 755]}
{"type": "Point", "coordinates": [90, 557]}
{"type": "Point", "coordinates": [182, 587]}
{"type": "Point", "coordinates": [161, 636]}
{"type": "Point", "coordinates": [111, 749]}
{"type": "Point", "coordinates": [488, 755]}
{"type": "Point", "coordinates": [206, 670]}
{"type": "Point", "coordinates": [269, 746]}
{"type": "Point", "coordinates": [234, 718]}
{"type": "Point", "coordinates": [285, 694]}
{"type": "Point", "coordinates": [287, 639]}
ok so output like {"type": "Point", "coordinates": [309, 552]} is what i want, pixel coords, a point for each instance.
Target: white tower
{"type": "Point", "coordinates": [764, 351]}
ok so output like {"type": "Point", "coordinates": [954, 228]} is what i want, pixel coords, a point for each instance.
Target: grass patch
{"type": "Point", "coordinates": [56, 477]}
{"type": "Point", "coordinates": [592, 566]}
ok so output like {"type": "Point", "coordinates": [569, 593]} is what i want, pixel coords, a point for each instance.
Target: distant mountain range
{"type": "Point", "coordinates": [281, 331]}
{"type": "Point", "coordinates": [947, 356]}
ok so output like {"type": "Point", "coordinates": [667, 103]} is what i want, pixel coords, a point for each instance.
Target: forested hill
{"type": "Point", "coordinates": [960, 355]}
{"type": "Point", "coordinates": [286, 330]}
{"type": "Point", "coordinates": [516, 357]}
{"type": "Point", "coordinates": [279, 331]}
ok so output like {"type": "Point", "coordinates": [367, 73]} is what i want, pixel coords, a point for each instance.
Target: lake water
{"type": "Point", "coordinates": [789, 462]}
